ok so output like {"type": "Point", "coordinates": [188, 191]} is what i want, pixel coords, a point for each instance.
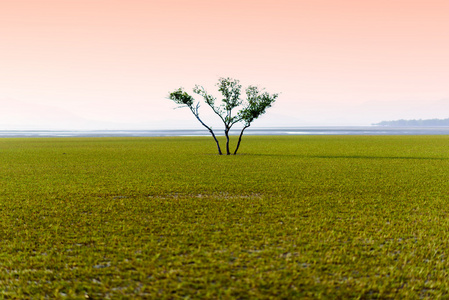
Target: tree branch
{"type": "Point", "coordinates": [240, 139]}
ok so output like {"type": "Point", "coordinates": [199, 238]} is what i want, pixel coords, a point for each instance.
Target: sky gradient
{"type": "Point", "coordinates": [110, 64]}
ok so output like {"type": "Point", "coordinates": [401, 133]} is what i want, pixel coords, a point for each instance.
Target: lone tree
{"type": "Point", "coordinates": [249, 109]}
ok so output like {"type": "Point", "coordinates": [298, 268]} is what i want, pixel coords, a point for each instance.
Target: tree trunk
{"type": "Point", "coordinates": [240, 139]}
{"type": "Point", "coordinates": [211, 132]}
{"type": "Point", "coordinates": [216, 141]}
{"type": "Point", "coordinates": [227, 141]}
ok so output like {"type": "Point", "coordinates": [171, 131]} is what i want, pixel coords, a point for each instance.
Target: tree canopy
{"type": "Point", "coordinates": [232, 109]}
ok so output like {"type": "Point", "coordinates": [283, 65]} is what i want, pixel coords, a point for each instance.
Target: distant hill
{"type": "Point", "coordinates": [417, 123]}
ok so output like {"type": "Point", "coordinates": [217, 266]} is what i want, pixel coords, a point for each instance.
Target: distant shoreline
{"type": "Point", "coordinates": [415, 123]}
{"type": "Point", "coordinates": [329, 130]}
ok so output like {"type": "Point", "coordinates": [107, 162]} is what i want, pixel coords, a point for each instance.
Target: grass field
{"type": "Point", "coordinates": [167, 218]}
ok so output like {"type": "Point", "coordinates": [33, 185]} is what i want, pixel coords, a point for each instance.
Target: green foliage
{"type": "Point", "coordinates": [254, 106]}
{"type": "Point", "coordinates": [179, 96]}
{"type": "Point", "coordinates": [230, 89]}
{"type": "Point", "coordinates": [210, 100]}
{"type": "Point", "coordinates": [295, 217]}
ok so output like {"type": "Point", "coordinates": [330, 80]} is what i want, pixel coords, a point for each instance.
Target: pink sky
{"type": "Point", "coordinates": [346, 62]}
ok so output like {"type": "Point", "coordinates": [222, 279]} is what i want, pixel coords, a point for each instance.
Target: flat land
{"type": "Point", "coordinates": [167, 218]}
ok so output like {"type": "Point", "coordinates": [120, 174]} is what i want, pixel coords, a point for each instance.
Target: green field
{"type": "Point", "coordinates": [166, 218]}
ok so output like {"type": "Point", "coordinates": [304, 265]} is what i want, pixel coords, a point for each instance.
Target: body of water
{"type": "Point", "coordinates": [352, 130]}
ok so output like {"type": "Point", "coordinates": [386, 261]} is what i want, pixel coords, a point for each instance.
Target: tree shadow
{"type": "Point", "coordinates": [379, 157]}
{"type": "Point", "coordinates": [347, 156]}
